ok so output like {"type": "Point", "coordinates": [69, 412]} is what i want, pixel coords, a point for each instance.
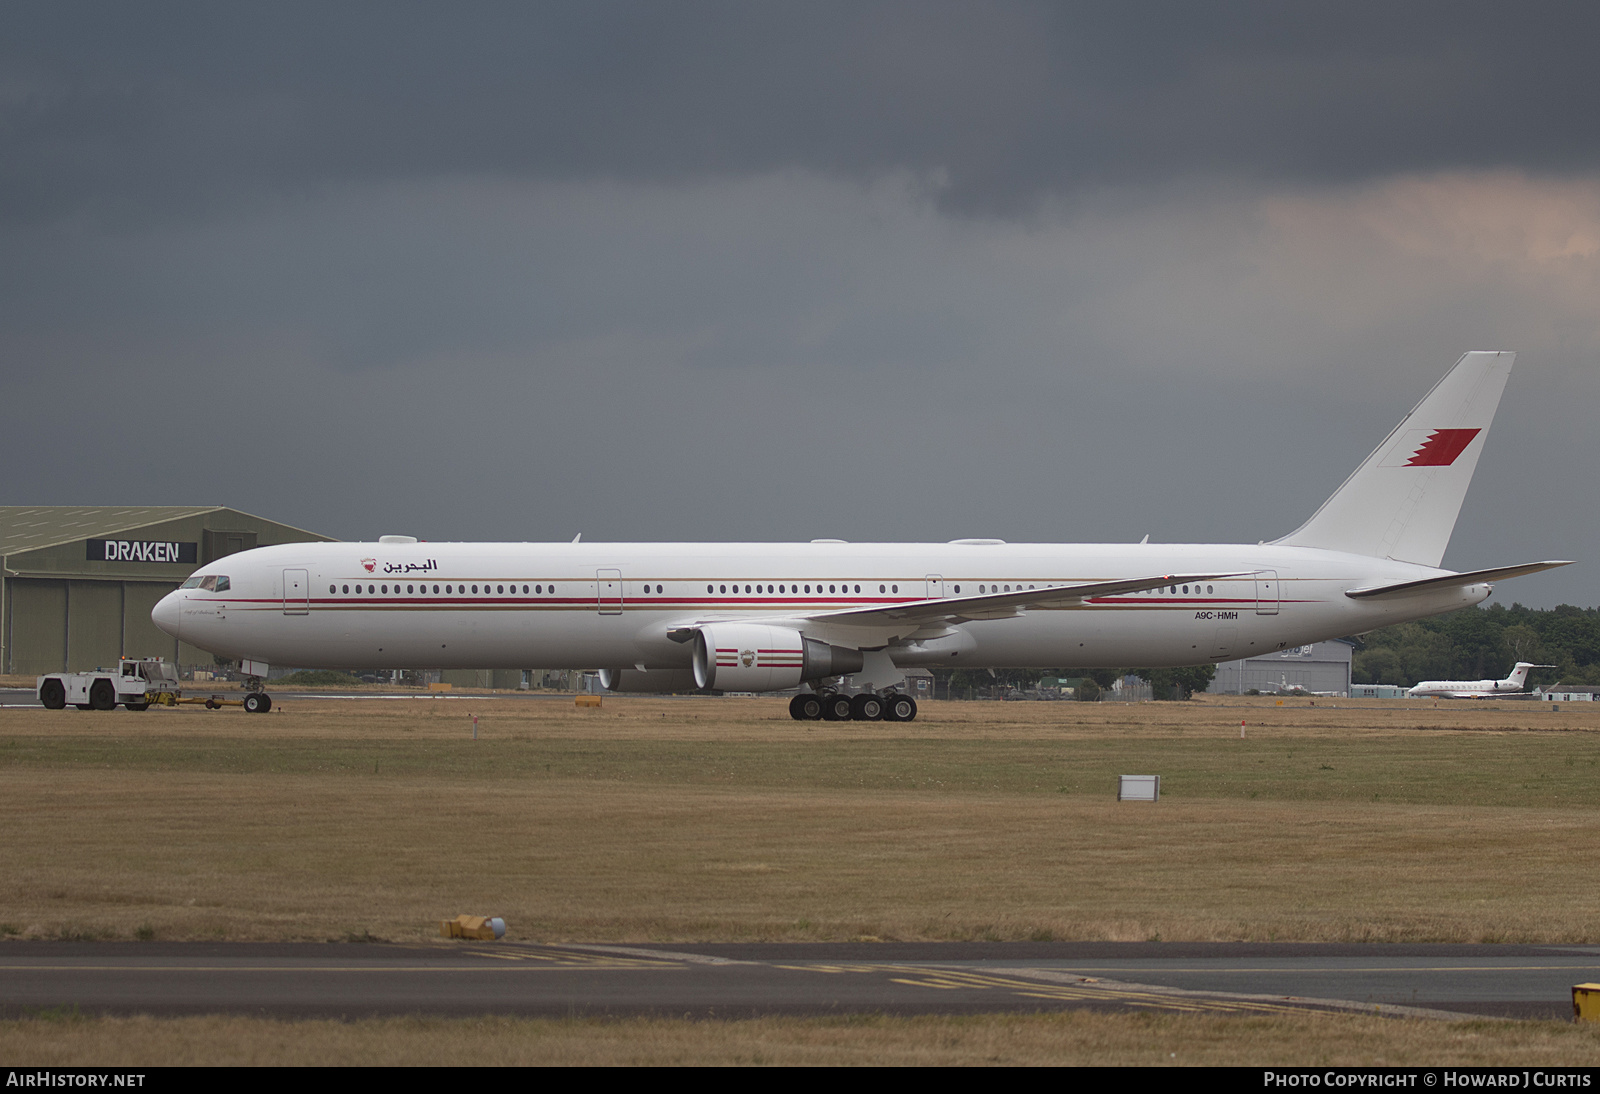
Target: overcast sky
{"type": "Point", "coordinates": [752, 271]}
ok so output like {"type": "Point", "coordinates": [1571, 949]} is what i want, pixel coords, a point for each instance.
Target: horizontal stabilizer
{"type": "Point", "coordinates": [1452, 581]}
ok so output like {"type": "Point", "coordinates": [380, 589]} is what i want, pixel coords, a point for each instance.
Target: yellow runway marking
{"type": "Point", "coordinates": [952, 979]}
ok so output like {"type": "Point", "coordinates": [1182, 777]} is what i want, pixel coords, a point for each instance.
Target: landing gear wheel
{"type": "Point", "coordinates": [900, 708]}
{"type": "Point", "coordinates": [102, 695]}
{"type": "Point", "coordinates": [836, 708]}
{"type": "Point", "coordinates": [866, 707]}
{"type": "Point", "coordinates": [806, 707]}
{"type": "Point", "coordinates": [53, 694]}
{"type": "Point", "coordinates": [257, 702]}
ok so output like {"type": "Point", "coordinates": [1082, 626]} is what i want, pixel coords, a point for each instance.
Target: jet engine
{"type": "Point", "coordinates": [659, 681]}
{"type": "Point", "coordinates": [759, 657]}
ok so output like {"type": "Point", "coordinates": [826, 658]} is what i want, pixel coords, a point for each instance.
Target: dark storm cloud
{"type": "Point", "coordinates": [880, 271]}
{"type": "Point", "coordinates": [152, 108]}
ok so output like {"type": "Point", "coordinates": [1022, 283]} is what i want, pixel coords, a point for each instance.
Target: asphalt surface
{"type": "Point", "coordinates": [733, 980]}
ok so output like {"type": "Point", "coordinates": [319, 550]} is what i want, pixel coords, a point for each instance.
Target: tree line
{"type": "Point", "coordinates": [1484, 643]}
{"type": "Point", "coordinates": [1470, 644]}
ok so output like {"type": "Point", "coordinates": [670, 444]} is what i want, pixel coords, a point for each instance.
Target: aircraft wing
{"type": "Point", "coordinates": [940, 612]}
{"type": "Point", "coordinates": [960, 609]}
{"type": "Point", "coordinates": [1450, 581]}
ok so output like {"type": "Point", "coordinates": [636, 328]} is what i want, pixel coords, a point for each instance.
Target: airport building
{"type": "Point", "coordinates": [77, 582]}
{"type": "Point", "coordinates": [1319, 667]}
{"type": "Point", "coordinates": [1567, 693]}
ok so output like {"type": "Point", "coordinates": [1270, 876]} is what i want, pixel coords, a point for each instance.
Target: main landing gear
{"type": "Point", "coordinates": [836, 706]}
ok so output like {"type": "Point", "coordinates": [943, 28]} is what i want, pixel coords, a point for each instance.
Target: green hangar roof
{"type": "Point", "coordinates": [30, 527]}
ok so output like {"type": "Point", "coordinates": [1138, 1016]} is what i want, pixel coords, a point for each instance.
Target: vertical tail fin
{"type": "Point", "coordinates": [1402, 502]}
{"type": "Point", "coordinates": [1519, 675]}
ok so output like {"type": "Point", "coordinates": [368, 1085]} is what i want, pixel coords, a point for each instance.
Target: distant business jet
{"type": "Point", "coordinates": [1283, 687]}
{"type": "Point", "coordinates": [774, 616]}
{"type": "Point", "coordinates": [1477, 689]}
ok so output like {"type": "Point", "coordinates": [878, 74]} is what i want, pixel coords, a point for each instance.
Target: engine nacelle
{"type": "Point", "coordinates": [659, 681]}
{"type": "Point", "coordinates": [760, 657]}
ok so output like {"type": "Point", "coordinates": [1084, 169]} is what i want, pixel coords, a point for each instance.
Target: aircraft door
{"type": "Point", "coordinates": [1223, 641]}
{"type": "Point", "coordinates": [296, 592]}
{"type": "Point", "coordinates": [935, 586]}
{"type": "Point", "coordinates": [1267, 592]}
{"type": "Point", "coordinates": [608, 591]}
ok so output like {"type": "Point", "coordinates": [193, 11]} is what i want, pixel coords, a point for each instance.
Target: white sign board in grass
{"type": "Point", "coordinates": [1139, 788]}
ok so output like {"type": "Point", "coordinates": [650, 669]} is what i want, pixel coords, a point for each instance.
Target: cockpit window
{"type": "Point", "coordinates": [192, 583]}
{"type": "Point", "coordinates": [215, 583]}
{"type": "Point", "coordinates": [222, 584]}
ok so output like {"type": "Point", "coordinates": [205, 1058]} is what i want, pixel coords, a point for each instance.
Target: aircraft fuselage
{"type": "Point", "coordinates": [617, 605]}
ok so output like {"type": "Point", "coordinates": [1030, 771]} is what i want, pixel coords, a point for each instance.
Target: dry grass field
{"type": "Point", "coordinates": [1072, 1038]}
{"type": "Point", "coordinates": [697, 819]}
{"type": "Point", "coordinates": [721, 819]}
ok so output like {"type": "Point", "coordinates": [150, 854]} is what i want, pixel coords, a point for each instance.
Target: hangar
{"type": "Point", "coordinates": [1318, 667]}
{"type": "Point", "coordinates": [77, 582]}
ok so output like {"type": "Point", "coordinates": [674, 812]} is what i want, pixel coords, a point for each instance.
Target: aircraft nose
{"type": "Point", "coordinates": [168, 611]}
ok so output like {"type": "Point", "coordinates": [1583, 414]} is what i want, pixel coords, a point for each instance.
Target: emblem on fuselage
{"type": "Point", "coordinates": [370, 564]}
{"type": "Point", "coordinates": [747, 658]}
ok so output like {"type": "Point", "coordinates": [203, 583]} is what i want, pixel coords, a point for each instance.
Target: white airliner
{"type": "Point", "coordinates": [1477, 689]}
{"type": "Point", "coordinates": [774, 616]}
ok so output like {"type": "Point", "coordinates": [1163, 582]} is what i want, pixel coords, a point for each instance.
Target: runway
{"type": "Point", "coordinates": [740, 980]}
